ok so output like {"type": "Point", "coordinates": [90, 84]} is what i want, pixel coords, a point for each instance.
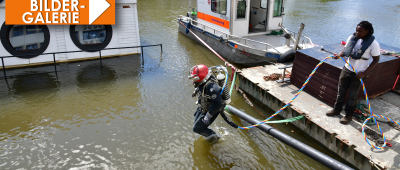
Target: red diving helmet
{"type": "Point", "coordinates": [199, 74]}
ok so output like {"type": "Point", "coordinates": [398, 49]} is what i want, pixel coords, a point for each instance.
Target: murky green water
{"type": "Point", "coordinates": [131, 116]}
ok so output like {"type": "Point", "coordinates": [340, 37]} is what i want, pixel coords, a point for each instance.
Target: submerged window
{"type": "Point", "coordinates": [278, 8]}
{"type": "Point", "coordinates": [241, 9]}
{"type": "Point", "coordinates": [264, 4]}
{"type": "Point", "coordinates": [218, 6]}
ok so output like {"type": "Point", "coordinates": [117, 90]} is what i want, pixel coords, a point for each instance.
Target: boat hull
{"type": "Point", "coordinates": [228, 51]}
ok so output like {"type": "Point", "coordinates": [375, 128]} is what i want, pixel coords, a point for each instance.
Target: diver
{"type": "Point", "coordinates": [211, 100]}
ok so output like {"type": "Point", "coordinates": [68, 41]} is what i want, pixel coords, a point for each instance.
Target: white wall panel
{"type": "Point", "coordinates": [125, 33]}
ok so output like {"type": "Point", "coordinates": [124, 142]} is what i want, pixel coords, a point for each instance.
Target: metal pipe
{"type": "Point", "coordinates": [296, 45]}
{"type": "Point", "coordinates": [303, 148]}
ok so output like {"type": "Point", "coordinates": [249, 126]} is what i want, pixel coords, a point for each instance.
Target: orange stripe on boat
{"type": "Point", "coordinates": [200, 15]}
{"type": "Point", "coordinates": [213, 20]}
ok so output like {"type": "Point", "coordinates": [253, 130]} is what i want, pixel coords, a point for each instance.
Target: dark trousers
{"type": "Point", "coordinates": [199, 126]}
{"type": "Point", "coordinates": [348, 81]}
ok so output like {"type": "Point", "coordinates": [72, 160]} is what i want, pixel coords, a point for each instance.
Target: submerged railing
{"type": "Point", "coordinates": [65, 52]}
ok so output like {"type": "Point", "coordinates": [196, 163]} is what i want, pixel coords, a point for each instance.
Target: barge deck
{"type": "Point", "coordinates": [346, 141]}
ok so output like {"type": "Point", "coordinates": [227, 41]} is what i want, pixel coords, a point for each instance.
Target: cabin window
{"type": "Point", "coordinates": [28, 37]}
{"type": "Point", "coordinates": [278, 8]}
{"type": "Point", "coordinates": [91, 37]}
{"type": "Point", "coordinates": [218, 6]}
{"type": "Point", "coordinates": [241, 9]}
{"type": "Point", "coordinates": [264, 4]}
{"type": "Point", "coordinates": [17, 31]}
{"type": "Point", "coordinates": [25, 41]}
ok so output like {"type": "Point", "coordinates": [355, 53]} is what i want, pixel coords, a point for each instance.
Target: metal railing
{"type": "Point", "coordinates": [227, 35]}
{"type": "Point", "coordinates": [304, 40]}
{"type": "Point", "coordinates": [64, 52]}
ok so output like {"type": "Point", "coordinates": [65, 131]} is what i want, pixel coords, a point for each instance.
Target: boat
{"type": "Point", "coordinates": [28, 45]}
{"type": "Point", "coordinates": [245, 32]}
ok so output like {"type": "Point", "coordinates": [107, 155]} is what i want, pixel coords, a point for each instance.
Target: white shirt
{"type": "Point", "coordinates": [361, 65]}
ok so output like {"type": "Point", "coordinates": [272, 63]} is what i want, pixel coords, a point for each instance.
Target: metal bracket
{"type": "Point", "coordinates": [283, 75]}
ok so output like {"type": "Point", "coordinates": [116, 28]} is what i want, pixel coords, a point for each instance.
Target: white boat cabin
{"type": "Point", "coordinates": [242, 17]}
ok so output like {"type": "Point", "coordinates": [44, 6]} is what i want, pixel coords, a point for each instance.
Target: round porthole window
{"type": "Point", "coordinates": [25, 41]}
{"type": "Point", "coordinates": [91, 37]}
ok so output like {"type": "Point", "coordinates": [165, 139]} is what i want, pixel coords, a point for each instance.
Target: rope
{"type": "Point", "coordinates": [366, 97]}
{"type": "Point", "coordinates": [295, 96]}
{"type": "Point", "coordinates": [233, 83]}
{"type": "Point", "coordinates": [205, 44]}
{"type": "Point", "coordinates": [396, 81]}
{"type": "Point", "coordinates": [287, 120]}
{"type": "Point", "coordinates": [301, 89]}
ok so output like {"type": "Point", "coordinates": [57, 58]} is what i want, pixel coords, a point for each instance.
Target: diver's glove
{"type": "Point", "coordinates": [207, 118]}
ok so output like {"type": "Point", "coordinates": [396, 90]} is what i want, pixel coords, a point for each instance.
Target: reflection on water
{"type": "Point", "coordinates": [94, 74]}
{"type": "Point", "coordinates": [128, 116]}
{"type": "Point", "coordinates": [36, 83]}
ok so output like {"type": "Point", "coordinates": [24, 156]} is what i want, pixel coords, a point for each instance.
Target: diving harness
{"type": "Point", "coordinates": [221, 80]}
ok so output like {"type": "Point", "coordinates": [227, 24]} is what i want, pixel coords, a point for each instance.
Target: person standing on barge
{"type": "Point", "coordinates": [360, 48]}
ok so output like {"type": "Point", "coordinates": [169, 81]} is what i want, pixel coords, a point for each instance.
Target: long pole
{"type": "Point", "coordinates": [4, 69]}
{"type": "Point", "coordinates": [55, 65]}
{"type": "Point", "coordinates": [303, 148]}
{"type": "Point", "coordinates": [141, 51]}
{"type": "Point", "coordinates": [101, 63]}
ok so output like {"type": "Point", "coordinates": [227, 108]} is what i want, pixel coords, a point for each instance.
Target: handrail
{"type": "Point", "coordinates": [302, 36]}
{"type": "Point", "coordinates": [258, 42]}
{"type": "Point", "coordinates": [64, 52]}
{"type": "Point", "coordinates": [227, 35]}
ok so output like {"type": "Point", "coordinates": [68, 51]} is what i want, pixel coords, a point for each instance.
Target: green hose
{"type": "Point", "coordinates": [233, 83]}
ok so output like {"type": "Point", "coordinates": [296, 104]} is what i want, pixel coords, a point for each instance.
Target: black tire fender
{"type": "Point", "coordinates": [287, 56]}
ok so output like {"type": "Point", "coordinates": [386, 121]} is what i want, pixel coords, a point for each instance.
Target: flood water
{"type": "Point", "coordinates": [125, 115]}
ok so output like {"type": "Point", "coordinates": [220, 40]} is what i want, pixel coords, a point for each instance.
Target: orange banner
{"type": "Point", "coordinates": [60, 12]}
{"type": "Point", "coordinates": [213, 20]}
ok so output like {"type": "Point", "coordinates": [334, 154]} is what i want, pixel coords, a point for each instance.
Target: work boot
{"type": "Point", "coordinates": [333, 112]}
{"type": "Point", "coordinates": [345, 120]}
{"type": "Point", "coordinates": [213, 138]}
